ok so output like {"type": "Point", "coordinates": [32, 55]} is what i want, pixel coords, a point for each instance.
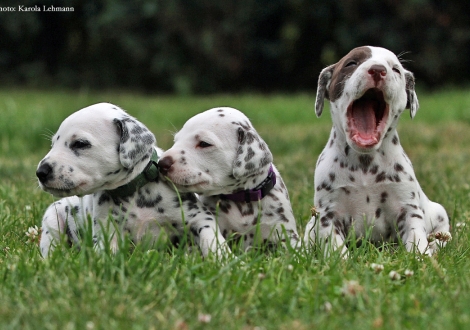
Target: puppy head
{"type": "Point", "coordinates": [97, 148]}
{"type": "Point", "coordinates": [217, 152]}
{"type": "Point", "coordinates": [368, 89]}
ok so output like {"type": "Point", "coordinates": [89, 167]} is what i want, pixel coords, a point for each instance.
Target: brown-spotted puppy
{"type": "Point", "coordinates": [363, 178]}
{"type": "Point", "coordinates": [110, 158]}
{"type": "Point", "coordinates": [219, 155]}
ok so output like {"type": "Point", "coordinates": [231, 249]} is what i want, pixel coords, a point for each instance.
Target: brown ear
{"type": "Point", "coordinates": [412, 100]}
{"type": "Point", "coordinates": [322, 88]}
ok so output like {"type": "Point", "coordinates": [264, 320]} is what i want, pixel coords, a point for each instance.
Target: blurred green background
{"type": "Point", "coordinates": [200, 46]}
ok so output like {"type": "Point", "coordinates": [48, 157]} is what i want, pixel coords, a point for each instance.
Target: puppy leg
{"type": "Point", "coordinates": [412, 229]}
{"type": "Point", "coordinates": [321, 230]}
{"type": "Point", "coordinates": [440, 233]}
{"type": "Point", "coordinates": [60, 219]}
{"type": "Point", "coordinates": [209, 239]}
{"type": "Point", "coordinates": [201, 223]}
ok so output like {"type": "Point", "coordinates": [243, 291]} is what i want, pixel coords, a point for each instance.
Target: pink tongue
{"type": "Point", "coordinates": [364, 118]}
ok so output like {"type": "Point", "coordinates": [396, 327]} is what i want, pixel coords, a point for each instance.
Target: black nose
{"type": "Point", "coordinates": [164, 164]}
{"type": "Point", "coordinates": [44, 172]}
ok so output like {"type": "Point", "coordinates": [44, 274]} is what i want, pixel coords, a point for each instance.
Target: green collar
{"type": "Point", "coordinates": [149, 174]}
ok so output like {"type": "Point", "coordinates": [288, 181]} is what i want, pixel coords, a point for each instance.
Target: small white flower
{"type": "Point", "coordinates": [32, 234]}
{"type": "Point", "coordinates": [27, 207]}
{"type": "Point", "coordinates": [327, 307]}
{"type": "Point", "coordinates": [290, 268]}
{"type": "Point", "coordinates": [204, 318]}
{"type": "Point", "coordinates": [394, 276]}
{"type": "Point", "coordinates": [409, 273]}
{"type": "Point", "coordinates": [377, 268]}
{"type": "Point", "coordinates": [460, 225]}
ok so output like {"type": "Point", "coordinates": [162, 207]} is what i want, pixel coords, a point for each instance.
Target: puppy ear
{"type": "Point", "coordinates": [412, 100]}
{"type": "Point", "coordinates": [252, 153]}
{"type": "Point", "coordinates": [136, 143]}
{"type": "Point", "coordinates": [322, 89]}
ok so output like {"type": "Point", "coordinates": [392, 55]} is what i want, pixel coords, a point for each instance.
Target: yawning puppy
{"type": "Point", "coordinates": [363, 178]}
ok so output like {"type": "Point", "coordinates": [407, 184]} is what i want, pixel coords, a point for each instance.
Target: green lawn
{"type": "Point", "coordinates": [158, 289]}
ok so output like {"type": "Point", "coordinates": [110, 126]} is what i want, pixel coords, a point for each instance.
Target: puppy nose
{"type": "Point", "coordinates": [377, 72]}
{"type": "Point", "coordinates": [44, 172]}
{"type": "Point", "coordinates": [164, 164]}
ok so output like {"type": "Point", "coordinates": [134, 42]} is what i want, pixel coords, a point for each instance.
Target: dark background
{"type": "Point", "coordinates": [196, 46]}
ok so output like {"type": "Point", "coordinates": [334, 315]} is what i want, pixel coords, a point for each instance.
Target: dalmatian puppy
{"type": "Point", "coordinates": [220, 156]}
{"type": "Point", "coordinates": [108, 158]}
{"type": "Point", "coordinates": [364, 181]}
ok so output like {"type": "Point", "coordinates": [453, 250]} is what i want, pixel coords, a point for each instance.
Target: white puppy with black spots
{"type": "Point", "coordinates": [363, 178]}
{"type": "Point", "coordinates": [219, 155]}
{"type": "Point", "coordinates": [110, 158]}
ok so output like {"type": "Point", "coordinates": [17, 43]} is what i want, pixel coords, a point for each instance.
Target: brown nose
{"type": "Point", "coordinates": [164, 164]}
{"type": "Point", "coordinates": [377, 72]}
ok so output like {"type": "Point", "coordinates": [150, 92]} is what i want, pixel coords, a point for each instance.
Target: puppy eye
{"type": "Point", "coordinates": [351, 63]}
{"type": "Point", "coordinates": [204, 144]}
{"type": "Point", "coordinates": [396, 70]}
{"type": "Point", "coordinates": [80, 144]}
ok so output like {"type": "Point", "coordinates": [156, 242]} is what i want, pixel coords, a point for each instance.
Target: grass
{"type": "Point", "coordinates": [158, 289]}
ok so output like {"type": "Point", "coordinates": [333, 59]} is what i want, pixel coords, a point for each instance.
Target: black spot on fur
{"type": "Point", "coordinates": [104, 198]}
{"type": "Point", "coordinates": [377, 213]}
{"type": "Point", "coordinates": [249, 155]}
{"type": "Point", "coordinates": [398, 167]}
{"type": "Point", "coordinates": [365, 161]}
{"type": "Point", "coordinates": [374, 169]}
{"type": "Point", "coordinates": [383, 197]}
{"type": "Point", "coordinates": [380, 177]}
{"type": "Point", "coordinates": [395, 140]}
{"type": "Point", "coordinates": [332, 176]}
{"type": "Point", "coordinates": [143, 201]}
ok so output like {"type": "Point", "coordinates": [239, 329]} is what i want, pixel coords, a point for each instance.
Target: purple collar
{"type": "Point", "coordinates": [255, 194]}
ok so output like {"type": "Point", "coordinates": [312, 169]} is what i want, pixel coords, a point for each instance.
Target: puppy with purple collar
{"type": "Point", "coordinates": [219, 155]}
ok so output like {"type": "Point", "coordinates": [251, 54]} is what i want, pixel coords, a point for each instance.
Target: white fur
{"type": "Point", "coordinates": [112, 149]}
{"type": "Point", "coordinates": [219, 152]}
{"type": "Point", "coordinates": [370, 188]}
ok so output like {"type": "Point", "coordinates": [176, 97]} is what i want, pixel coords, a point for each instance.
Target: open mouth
{"type": "Point", "coordinates": [367, 117]}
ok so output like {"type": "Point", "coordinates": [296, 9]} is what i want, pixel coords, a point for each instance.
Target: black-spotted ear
{"type": "Point", "coordinates": [136, 141]}
{"type": "Point", "coordinates": [252, 155]}
{"type": "Point", "coordinates": [412, 100]}
{"type": "Point", "coordinates": [322, 88]}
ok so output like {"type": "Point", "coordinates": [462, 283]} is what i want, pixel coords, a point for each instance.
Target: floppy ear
{"type": "Point", "coordinates": [412, 100]}
{"type": "Point", "coordinates": [253, 153]}
{"type": "Point", "coordinates": [136, 143]}
{"type": "Point", "coordinates": [322, 89]}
